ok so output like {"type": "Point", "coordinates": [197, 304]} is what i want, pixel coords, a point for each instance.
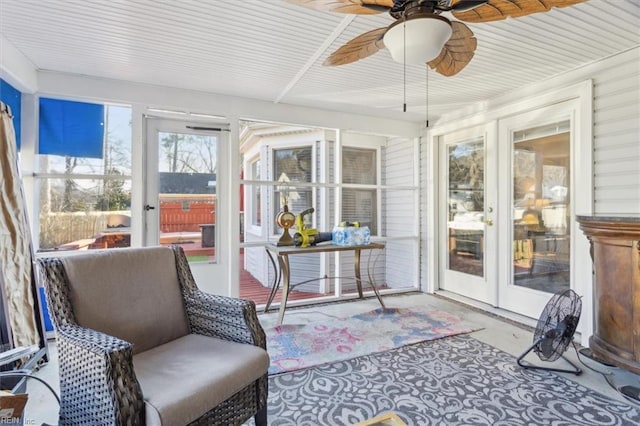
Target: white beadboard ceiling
{"type": "Point", "coordinates": [272, 50]}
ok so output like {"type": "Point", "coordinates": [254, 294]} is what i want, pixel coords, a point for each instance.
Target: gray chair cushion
{"type": "Point", "coordinates": [133, 294]}
{"type": "Point", "coordinates": [181, 380]}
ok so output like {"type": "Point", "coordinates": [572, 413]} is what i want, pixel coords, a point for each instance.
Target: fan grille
{"type": "Point", "coordinates": [557, 324]}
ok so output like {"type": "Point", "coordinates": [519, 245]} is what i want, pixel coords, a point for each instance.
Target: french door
{"type": "Point", "coordinates": [507, 233]}
{"type": "Point", "coordinates": [467, 213]}
{"type": "Point", "coordinates": [184, 189]}
{"type": "Point", "coordinates": [537, 198]}
{"type": "Point", "coordinates": [506, 210]}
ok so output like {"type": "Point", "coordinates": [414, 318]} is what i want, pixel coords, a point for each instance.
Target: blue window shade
{"type": "Point", "coordinates": [74, 129]}
{"type": "Point", "coordinates": [12, 97]}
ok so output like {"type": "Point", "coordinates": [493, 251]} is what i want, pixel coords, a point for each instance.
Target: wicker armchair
{"type": "Point", "coordinates": [139, 343]}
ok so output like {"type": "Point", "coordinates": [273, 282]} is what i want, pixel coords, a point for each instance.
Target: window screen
{"type": "Point", "coordinates": [359, 167]}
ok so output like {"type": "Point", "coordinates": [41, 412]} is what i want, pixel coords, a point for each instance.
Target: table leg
{"type": "Point", "coordinates": [357, 271]}
{"type": "Point", "coordinates": [276, 282]}
{"type": "Point", "coordinates": [283, 260]}
{"type": "Point", "coordinates": [373, 285]}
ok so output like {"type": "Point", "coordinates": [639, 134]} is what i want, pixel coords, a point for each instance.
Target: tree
{"type": "Point", "coordinates": [114, 196]}
{"type": "Point", "coordinates": [170, 143]}
{"type": "Point", "coordinates": [184, 153]}
{"type": "Point", "coordinates": [69, 185]}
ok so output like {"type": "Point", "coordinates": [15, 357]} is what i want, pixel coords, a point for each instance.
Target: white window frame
{"type": "Point", "coordinates": [251, 206]}
{"type": "Point", "coordinates": [39, 177]}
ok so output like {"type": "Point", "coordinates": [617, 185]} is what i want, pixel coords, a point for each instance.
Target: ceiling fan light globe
{"type": "Point", "coordinates": [419, 38]}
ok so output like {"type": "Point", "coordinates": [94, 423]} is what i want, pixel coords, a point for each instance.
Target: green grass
{"type": "Point", "coordinates": [198, 258]}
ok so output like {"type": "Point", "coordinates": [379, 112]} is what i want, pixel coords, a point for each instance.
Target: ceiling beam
{"type": "Point", "coordinates": [323, 47]}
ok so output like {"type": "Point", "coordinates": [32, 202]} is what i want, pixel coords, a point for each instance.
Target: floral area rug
{"type": "Point", "coordinates": [298, 346]}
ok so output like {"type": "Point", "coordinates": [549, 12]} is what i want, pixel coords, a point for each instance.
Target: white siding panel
{"type": "Point", "coordinates": [371, 262]}
{"type": "Point", "coordinates": [614, 127]}
{"type": "Point", "coordinates": [617, 139]}
{"type": "Point", "coordinates": [619, 167]}
{"type": "Point", "coordinates": [620, 99]}
{"type": "Point", "coordinates": [401, 258]}
{"type": "Point", "coordinates": [617, 146]}
{"type": "Point", "coordinates": [255, 259]}
{"type": "Point", "coordinates": [620, 112]}
{"type": "Point", "coordinates": [618, 193]}
{"type": "Point", "coordinates": [401, 218]}
{"type": "Point", "coordinates": [426, 211]}
{"type": "Point", "coordinates": [612, 180]}
{"type": "Point", "coordinates": [305, 268]}
{"type": "Point", "coordinates": [398, 207]}
{"type": "Point", "coordinates": [399, 163]}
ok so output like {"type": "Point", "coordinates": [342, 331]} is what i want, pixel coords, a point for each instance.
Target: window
{"type": "Point", "coordinates": [344, 176]}
{"type": "Point", "coordinates": [359, 204]}
{"type": "Point", "coordinates": [291, 166]}
{"type": "Point", "coordinates": [84, 176]}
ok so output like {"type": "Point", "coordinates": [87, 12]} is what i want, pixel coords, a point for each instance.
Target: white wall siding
{"type": "Point", "coordinates": [616, 153]}
{"type": "Point", "coordinates": [400, 263]}
{"type": "Point", "coordinates": [399, 160]}
{"type": "Point", "coordinates": [399, 209]}
{"type": "Point", "coordinates": [256, 263]}
{"type": "Point", "coordinates": [427, 281]}
{"type": "Point", "coordinates": [371, 262]}
{"type": "Point", "coordinates": [305, 268]}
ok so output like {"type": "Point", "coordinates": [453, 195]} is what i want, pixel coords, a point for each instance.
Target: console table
{"type": "Point", "coordinates": [282, 253]}
{"type": "Point", "coordinates": [615, 251]}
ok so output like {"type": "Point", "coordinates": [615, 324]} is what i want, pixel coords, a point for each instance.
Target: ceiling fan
{"type": "Point", "coordinates": [420, 34]}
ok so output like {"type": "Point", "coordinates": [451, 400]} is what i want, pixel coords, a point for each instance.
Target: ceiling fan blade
{"type": "Point", "coordinates": [355, 7]}
{"type": "Point", "coordinates": [464, 5]}
{"type": "Point", "coordinates": [358, 48]}
{"type": "Point", "coordinates": [457, 52]}
{"type": "Point", "coordinates": [495, 10]}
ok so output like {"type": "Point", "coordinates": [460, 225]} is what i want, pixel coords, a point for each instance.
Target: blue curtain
{"type": "Point", "coordinates": [68, 128]}
{"type": "Point", "coordinates": [12, 97]}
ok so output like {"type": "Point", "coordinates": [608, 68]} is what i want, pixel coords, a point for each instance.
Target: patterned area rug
{"type": "Point", "coordinates": [297, 346]}
{"type": "Point", "coordinates": [453, 381]}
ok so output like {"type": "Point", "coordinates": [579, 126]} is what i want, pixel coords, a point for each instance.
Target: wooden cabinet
{"type": "Point", "coordinates": [615, 250]}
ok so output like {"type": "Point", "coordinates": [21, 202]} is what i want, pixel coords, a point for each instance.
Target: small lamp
{"type": "Point", "coordinates": [419, 38]}
{"type": "Point", "coordinates": [285, 219]}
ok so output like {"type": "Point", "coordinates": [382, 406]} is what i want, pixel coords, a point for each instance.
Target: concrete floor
{"type": "Point", "coordinates": [504, 334]}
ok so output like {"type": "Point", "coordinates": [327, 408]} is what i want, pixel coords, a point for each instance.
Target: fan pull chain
{"type": "Point", "coordinates": [426, 90]}
{"type": "Point", "coordinates": [404, 64]}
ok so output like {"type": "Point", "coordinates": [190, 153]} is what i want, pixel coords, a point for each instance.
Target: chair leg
{"type": "Point", "coordinates": [261, 416]}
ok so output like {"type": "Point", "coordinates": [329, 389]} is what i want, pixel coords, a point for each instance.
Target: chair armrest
{"type": "Point", "coordinates": [97, 380]}
{"type": "Point", "coordinates": [212, 315]}
{"type": "Point", "coordinates": [223, 317]}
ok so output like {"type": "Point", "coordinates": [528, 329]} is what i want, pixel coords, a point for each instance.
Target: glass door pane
{"type": "Point", "coordinates": [541, 208]}
{"type": "Point", "coordinates": [465, 201]}
{"type": "Point", "coordinates": [187, 193]}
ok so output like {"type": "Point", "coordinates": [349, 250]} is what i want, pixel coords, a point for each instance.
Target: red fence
{"type": "Point", "coordinates": [185, 213]}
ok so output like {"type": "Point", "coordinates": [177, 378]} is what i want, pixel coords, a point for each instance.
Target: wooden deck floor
{"type": "Point", "coordinates": [250, 288]}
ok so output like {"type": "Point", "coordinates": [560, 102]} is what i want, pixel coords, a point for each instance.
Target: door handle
{"type": "Point", "coordinates": [489, 222]}
{"type": "Point", "coordinates": [147, 207]}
